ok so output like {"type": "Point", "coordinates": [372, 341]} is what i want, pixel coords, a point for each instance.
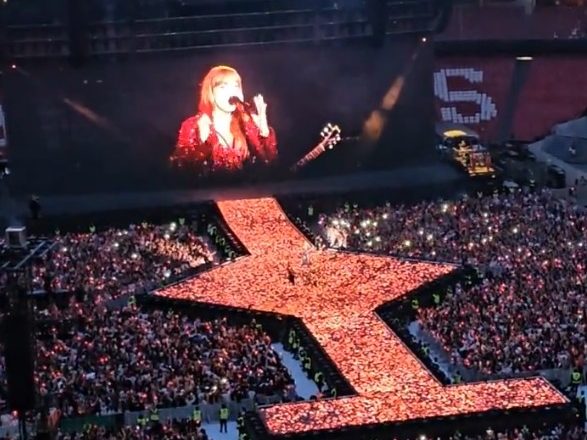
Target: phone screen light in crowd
{"type": "Point", "coordinates": [384, 216]}
{"type": "Point", "coordinates": [429, 237]}
{"type": "Point", "coordinates": [407, 243]}
{"type": "Point", "coordinates": [524, 58]}
{"type": "Point", "coordinates": [173, 226]}
{"type": "Point", "coordinates": [424, 39]}
{"type": "Point", "coordinates": [444, 207]}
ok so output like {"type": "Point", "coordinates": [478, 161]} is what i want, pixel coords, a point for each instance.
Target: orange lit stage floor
{"type": "Point", "coordinates": [335, 295]}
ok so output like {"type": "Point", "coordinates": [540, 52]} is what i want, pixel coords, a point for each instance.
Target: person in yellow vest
{"type": "Point", "coordinates": [319, 379]}
{"type": "Point", "coordinates": [425, 350]}
{"type": "Point", "coordinates": [291, 338]}
{"type": "Point", "coordinates": [154, 416]}
{"type": "Point", "coordinates": [307, 363]}
{"type": "Point", "coordinates": [333, 392]}
{"type": "Point", "coordinates": [223, 415]}
{"type": "Point", "coordinates": [415, 304]}
{"type": "Point", "coordinates": [142, 420]}
{"type": "Point", "coordinates": [197, 416]}
{"type": "Point", "coordinates": [575, 378]}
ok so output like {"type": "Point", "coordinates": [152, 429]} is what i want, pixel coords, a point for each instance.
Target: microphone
{"type": "Point", "coordinates": [240, 104]}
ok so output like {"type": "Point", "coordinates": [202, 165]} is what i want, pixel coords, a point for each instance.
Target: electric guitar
{"type": "Point", "coordinates": [330, 135]}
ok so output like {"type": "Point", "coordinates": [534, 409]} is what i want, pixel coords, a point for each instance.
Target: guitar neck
{"type": "Point", "coordinates": [313, 154]}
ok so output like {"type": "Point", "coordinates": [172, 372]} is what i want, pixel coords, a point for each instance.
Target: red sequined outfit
{"type": "Point", "coordinates": [190, 150]}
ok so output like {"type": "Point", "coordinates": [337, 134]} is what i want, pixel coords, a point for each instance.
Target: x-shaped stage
{"type": "Point", "coordinates": [336, 294]}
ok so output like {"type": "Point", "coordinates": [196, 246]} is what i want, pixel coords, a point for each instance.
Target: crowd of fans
{"type": "Point", "coordinates": [102, 361]}
{"type": "Point", "coordinates": [172, 430]}
{"type": "Point", "coordinates": [117, 261]}
{"type": "Point", "coordinates": [99, 361]}
{"type": "Point", "coordinates": [534, 249]}
{"type": "Point", "coordinates": [175, 430]}
{"type": "Point", "coordinates": [92, 360]}
{"type": "Point", "coordinates": [559, 431]}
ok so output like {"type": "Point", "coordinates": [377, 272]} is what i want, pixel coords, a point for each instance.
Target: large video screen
{"type": "Point", "coordinates": [169, 121]}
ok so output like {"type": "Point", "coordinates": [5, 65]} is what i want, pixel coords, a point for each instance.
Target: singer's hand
{"type": "Point", "coordinates": [260, 119]}
{"type": "Point", "coordinates": [204, 127]}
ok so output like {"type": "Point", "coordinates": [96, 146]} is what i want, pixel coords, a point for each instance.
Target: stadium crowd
{"type": "Point", "coordinates": [117, 261]}
{"type": "Point", "coordinates": [533, 248]}
{"type": "Point", "coordinates": [176, 430]}
{"type": "Point", "coordinates": [172, 430]}
{"type": "Point", "coordinates": [100, 361]}
{"type": "Point", "coordinates": [92, 360]}
{"type": "Point", "coordinates": [106, 362]}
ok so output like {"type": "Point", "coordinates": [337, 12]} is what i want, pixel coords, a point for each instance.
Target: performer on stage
{"type": "Point", "coordinates": [291, 276]}
{"type": "Point", "coordinates": [306, 254]}
{"type": "Point", "coordinates": [225, 134]}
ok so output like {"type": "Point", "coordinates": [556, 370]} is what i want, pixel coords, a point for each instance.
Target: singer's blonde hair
{"type": "Point", "coordinates": [218, 75]}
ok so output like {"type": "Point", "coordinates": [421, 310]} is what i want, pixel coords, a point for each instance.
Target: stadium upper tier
{"type": "Point", "coordinates": [35, 30]}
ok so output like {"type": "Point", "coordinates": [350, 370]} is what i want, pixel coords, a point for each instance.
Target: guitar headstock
{"type": "Point", "coordinates": [330, 135]}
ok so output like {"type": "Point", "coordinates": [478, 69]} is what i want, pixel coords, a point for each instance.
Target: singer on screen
{"type": "Point", "coordinates": [227, 132]}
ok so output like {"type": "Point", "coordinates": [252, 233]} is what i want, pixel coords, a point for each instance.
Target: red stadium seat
{"type": "Point", "coordinates": [553, 93]}
{"type": "Point", "coordinates": [507, 22]}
